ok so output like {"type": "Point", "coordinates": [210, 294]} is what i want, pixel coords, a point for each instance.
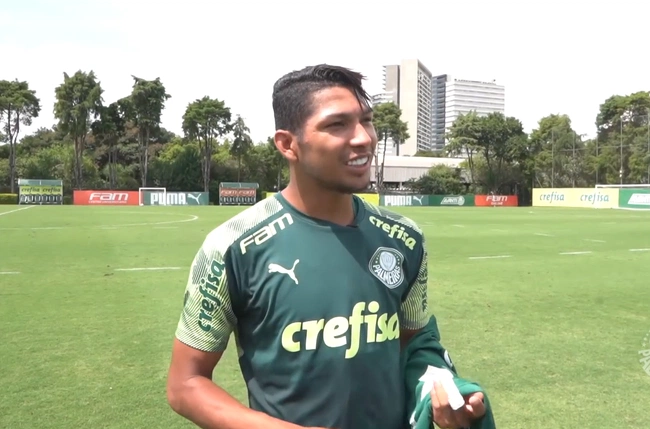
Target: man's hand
{"type": "Point", "coordinates": [446, 418]}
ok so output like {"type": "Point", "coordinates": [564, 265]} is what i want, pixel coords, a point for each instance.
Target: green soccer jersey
{"type": "Point", "coordinates": [316, 310]}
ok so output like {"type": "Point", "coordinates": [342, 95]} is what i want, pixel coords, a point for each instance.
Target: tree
{"type": "Point", "coordinates": [463, 139]}
{"type": "Point", "coordinates": [144, 107]}
{"type": "Point", "coordinates": [557, 153]}
{"type": "Point", "coordinates": [78, 100]}
{"type": "Point", "coordinates": [205, 120]}
{"type": "Point", "coordinates": [388, 125]}
{"type": "Point", "coordinates": [108, 130]}
{"type": "Point", "coordinates": [497, 140]}
{"type": "Point", "coordinates": [241, 143]}
{"type": "Point", "coordinates": [623, 141]}
{"type": "Point", "coordinates": [439, 180]}
{"type": "Point", "coordinates": [18, 105]}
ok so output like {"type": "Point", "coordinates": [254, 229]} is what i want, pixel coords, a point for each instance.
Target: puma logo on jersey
{"type": "Point", "coordinates": [275, 268]}
{"type": "Point", "coordinates": [394, 231]}
{"type": "Point", "coordinates": [364, 326]}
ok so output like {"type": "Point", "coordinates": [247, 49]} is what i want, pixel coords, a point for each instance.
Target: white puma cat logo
{"type": "Point", "coordinates": [418, 199]}
{"type": "Point", "coordinates": [275, 268]}
{"type": "Point", "coordinates": [194, 197]}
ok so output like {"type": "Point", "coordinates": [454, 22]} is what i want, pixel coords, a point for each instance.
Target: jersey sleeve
{"type": "Point", "coordinates": [415, 307]}
{"type": "Point", "coordinates": [207, 319]}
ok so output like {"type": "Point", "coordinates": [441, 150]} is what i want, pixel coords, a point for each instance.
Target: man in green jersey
{"type": "Point", "coordinates": [320, 288]}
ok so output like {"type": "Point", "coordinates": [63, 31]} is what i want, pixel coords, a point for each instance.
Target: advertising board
{"type": "Point", "coordinates": [105, 198]}
{"type": "Point", "coordinates": [605, 198]}
{"type": "Point", "coordinates": [496, 201]}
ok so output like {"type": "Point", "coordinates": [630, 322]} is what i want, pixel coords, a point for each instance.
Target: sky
{"type": "Point", "coordinates": [553, 57]}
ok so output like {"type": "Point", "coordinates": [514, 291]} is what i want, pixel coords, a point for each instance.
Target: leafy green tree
{"type": "Point", "coordinates": [241, 143]}
{"type": "Point", "coordinates": [144, 107]}
{"type": "Point", "coordinates": [78, 101]}
{"type": "Point", "coordinates": [499, 141]}
{"type": "Point", "coordinates": [623, 141]}
{"type": "Point", "coordinates": [108, 129]}
{"type": "Point", "coordinates": [206, 120]}
{"type": "Point", "coordinates": [388, 125]}
{"type": "Point", "coordinates": [463, 138]}
{"type": "Point", "coordinates": [439, 180]}
{"type": "Point", "coordinates": [18, 106]}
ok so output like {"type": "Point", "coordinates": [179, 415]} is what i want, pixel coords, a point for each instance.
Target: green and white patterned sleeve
{"type": "Point", "coordinates": [207, 319]}
{"type": "Point", "coordinates": [415, 308]}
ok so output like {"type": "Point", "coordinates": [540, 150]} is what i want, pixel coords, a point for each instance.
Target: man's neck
{"type": "Point", "coordinates": [330, 206]}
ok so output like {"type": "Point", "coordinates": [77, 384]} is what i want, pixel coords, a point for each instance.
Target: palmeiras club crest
{"type": "Point", "coordinates": [386, 265]}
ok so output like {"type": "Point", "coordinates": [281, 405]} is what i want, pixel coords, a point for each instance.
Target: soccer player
{"type": "Point", "coordinates": [320, 288]}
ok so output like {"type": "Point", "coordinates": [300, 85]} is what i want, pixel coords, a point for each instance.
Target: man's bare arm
{"type": "Point", "coordinates": [192, 394]}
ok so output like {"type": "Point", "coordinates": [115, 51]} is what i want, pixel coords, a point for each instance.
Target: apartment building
{"type": "Point", "coordinates": [454, 96]}
{"type": "Point", "coordinates": [409, 86]}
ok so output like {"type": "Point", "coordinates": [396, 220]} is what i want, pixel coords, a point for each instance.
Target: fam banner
{"type": "Point", "coordinates": [496, 201]}
{"type": "Point", "coordinates": [105, 198]}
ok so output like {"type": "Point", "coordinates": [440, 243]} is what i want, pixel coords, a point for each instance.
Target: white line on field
{"type": "Point", "coordinates": [459, 226]}
{"type": "Point", "coordinates": [541, 234]}
{"type": "Point", "coordinates": [576, 253]}
{"type": "Point", "coordinates": [639, 250]}
{"type": "Point", "coordinates": [165, 227]}
{"type": "Point", "coordinates": [595, 241]}
{"type": "Point", "coordinates": [16, 210]}
{"type": "Point", "coordinates": [491, 257]}
{"type": "Point", "coordinates": [191, 219]}
{"type": "Point", "coordinates": [9, 272]}
{"type": "Point", "coordinates": [148, 269]}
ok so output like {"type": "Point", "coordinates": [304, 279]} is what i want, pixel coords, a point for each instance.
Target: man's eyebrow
{"type": "Point", "coordinates": [342, 115]}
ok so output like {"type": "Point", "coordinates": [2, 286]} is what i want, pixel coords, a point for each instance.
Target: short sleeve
{"type": "Point", "coordinates": [207, 319]}
{"type": "Point", "coordinates": [415, 308]}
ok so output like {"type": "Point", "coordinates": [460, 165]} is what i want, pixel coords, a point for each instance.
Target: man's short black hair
{"type": "Point", "coordinates": [293, 93]}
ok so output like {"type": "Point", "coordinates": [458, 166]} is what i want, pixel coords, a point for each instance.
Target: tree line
{"type": "Point", "coordinates": [122, 145]}
{"type": "Point", "coordinates": [502, 159]}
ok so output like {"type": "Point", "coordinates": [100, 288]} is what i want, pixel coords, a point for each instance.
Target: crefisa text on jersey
{"type": "Point", "coordinates": [394, 231]}
{"type": "Point", "coordinates": [209, 290]}
{"type": "Point", "coordinates": [343, 331]}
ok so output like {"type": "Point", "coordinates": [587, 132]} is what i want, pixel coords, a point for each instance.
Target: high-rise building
{"type": "Point", "coordinates": [409, 86]}
{"type": "Point", "coordinates": [453, 97]}
{"type": "Point", "coordinates": [385, 97]}
{"type": "Point", "coordinates": [438, 95]}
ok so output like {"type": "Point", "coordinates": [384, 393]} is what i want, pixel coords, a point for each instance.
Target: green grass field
{"type": "Point", "coordinates": [553, 335]}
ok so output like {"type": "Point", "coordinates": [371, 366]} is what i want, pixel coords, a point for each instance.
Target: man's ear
{"type": "Point", "coordinates": [287, 144]}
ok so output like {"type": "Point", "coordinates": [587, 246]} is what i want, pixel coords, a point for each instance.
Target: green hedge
{"type": "Point", "coordinates": [8, 198]}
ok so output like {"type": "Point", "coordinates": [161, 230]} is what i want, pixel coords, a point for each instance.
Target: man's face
{"type": "Point", "coordinates": [338, 142]}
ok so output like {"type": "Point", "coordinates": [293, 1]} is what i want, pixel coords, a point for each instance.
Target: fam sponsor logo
{"type": "Point", "coordinates": [108, 198]}
{"type": "Point", "coordinates": [266, 232]}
